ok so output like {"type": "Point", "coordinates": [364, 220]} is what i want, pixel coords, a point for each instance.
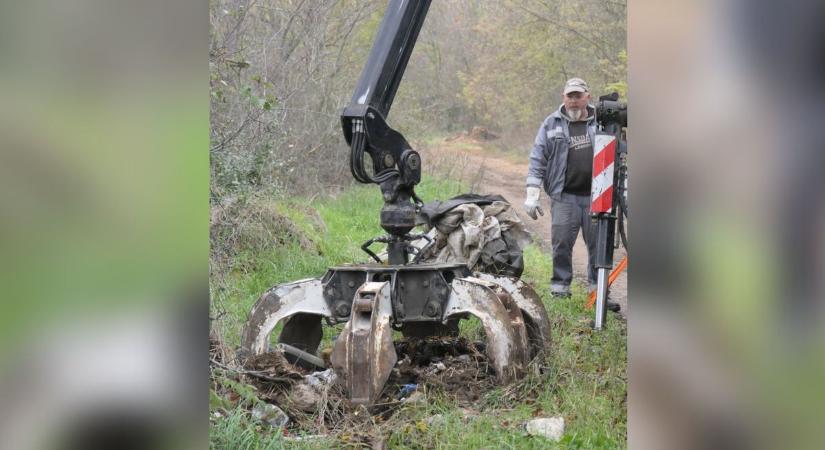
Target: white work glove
{"type": "Point", "coordinates": [531, 204]}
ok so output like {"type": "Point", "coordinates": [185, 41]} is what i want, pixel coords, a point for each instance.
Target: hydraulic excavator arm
{"type": "Point", "coordinates": [396, 167]}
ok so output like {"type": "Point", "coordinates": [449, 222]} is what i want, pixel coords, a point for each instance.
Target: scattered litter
{"type": "Point", "coordinates": [407, 389]}
{"type": "Point", "coordinates": [452, 366]}
{"type": "Point", "coordinates": [551, 428]}
{"type": "Point", "coordinates": [424, 362]}
{"type": "Point", "coordinates": [270, 415]}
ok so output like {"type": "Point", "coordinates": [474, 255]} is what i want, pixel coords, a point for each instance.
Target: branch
{"type": "Point", "coordinates": [252, 373]}
{"type": "Point", "coordinates": [249, 118]}
{"type": "Point", "coordinates": [570, 29]}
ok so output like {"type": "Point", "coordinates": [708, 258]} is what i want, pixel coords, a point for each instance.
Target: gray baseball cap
{"type": "Point", "coordinates": [575, 85]}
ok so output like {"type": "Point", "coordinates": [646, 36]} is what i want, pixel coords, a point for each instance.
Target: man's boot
{"type": "Point", "coordinates": [560, 291]}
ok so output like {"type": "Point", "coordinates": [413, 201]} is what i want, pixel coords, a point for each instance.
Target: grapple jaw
{"type": "Point", "coordinates": [302, 302]}
{"type": "Point", "coordinates": [533, 313]}
{"type": "Point", "coordinates": [505, 346]}
{"type": "Point", "coordinates": [364, 354]}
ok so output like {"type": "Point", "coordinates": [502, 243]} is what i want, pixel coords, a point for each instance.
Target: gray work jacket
{"type": "Point", "coordinates": [548, 160]}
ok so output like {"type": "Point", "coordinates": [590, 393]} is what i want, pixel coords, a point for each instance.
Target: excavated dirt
{"type": "Point", "coordinates": [446, 366]}
{"type": "Point", "coordinates": [450, 366]}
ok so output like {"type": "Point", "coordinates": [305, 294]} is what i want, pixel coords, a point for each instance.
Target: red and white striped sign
{"type": "Point", "coordinates": [601, 191]}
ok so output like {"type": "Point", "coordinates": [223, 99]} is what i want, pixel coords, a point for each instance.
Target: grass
{"type": "Point", "coordinates": [584, 378]}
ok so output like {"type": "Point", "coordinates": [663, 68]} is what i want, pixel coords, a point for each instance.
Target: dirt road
{"type": "Point", "coordinates": [491, 173]}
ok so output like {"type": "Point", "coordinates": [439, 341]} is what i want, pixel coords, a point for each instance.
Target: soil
{"type": "Point", "coordinates": [500, 174]}
{"type": "Point", "coordinates": [452, 367]}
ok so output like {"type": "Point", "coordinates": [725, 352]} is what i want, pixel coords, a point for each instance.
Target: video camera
{"type": "Point", "coordinates": [609, 110]}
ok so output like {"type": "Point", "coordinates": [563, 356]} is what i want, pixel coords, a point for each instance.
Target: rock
{"type": "Point", "coordinates": [439, 366]}
{"type": "Point", "coordinates": [551, 428]}
{"type": "Point", "coordinates": [270, 415]}
{"type": "Point", "coordinates": [304, 397]}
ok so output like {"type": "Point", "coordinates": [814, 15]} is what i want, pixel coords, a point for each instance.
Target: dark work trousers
{"type": "Point", "coordinates": [569, 214]}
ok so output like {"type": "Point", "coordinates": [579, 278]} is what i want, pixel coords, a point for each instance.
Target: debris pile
{"type": "Point", "coordinates": [302, 402]}
{"type": "Point", "coordinates": [482, 231]}
{"type": "Point", "coordinates": [453, 366]}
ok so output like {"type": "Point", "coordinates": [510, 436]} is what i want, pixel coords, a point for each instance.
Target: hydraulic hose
{"type": "Point", "coordinates": [357, 151]}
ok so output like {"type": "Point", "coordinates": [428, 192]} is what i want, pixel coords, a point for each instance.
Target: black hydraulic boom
{"type": "Point", "coordinates": [396, 167]}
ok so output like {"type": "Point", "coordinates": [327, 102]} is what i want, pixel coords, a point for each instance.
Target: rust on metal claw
{"type": "Point", "coordinates": [279, 303]}
{"type": "Point", "coordinates": [529, 302]}
{"type": "Point", "coordinates": [522, 350]}
{"type": "Point", "coordinates": [476, 297]}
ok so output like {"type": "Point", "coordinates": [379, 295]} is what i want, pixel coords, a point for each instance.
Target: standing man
{"type": "Point", "coordinates": [561, 163]}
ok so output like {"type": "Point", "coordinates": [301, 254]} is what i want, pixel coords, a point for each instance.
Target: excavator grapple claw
{"type": "Point", "coordinates": [421, 300]}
